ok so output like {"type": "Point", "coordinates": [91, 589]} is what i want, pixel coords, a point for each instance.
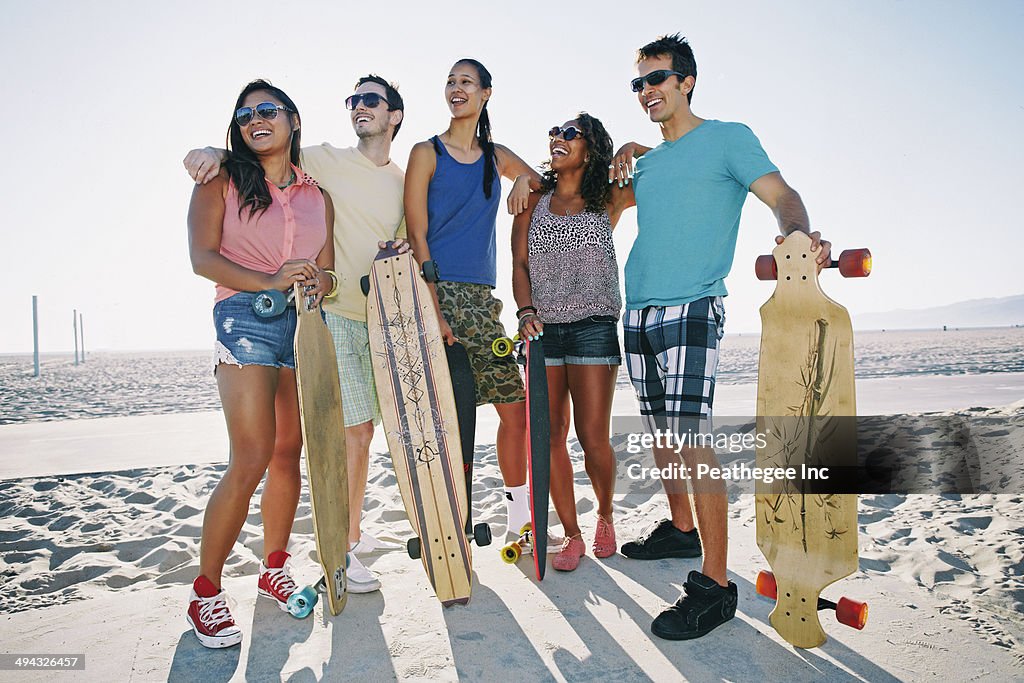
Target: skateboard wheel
{"type": "Point", "coordinates": [269, 303]}
{"type": "Point", "coordinates": [526, 527]}
{"type": "Point", "coordinates": [766, 586]}
{"type": "Point", "coordinates": [364, 284]}
{"type": "Point", "coordinates": [510, 553]}
{"type": "Point", "coordinates": [765, 268]}
{"type": "Point", "coordinates": [413, 547]}
{"type": "Point", "coordinates": [501, 347]}
{"type": "Point", "coordinates": [430, 272]}
{"type": "Point", "coordinates": [855, 263]}
{"type": "Point", "coordinates": [482, 534]}
{"type": "Point", "coordinates": [852, 613]}
{"type": "Point", "coordinates": [300, 603]}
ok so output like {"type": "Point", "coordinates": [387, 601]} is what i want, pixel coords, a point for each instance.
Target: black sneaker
{"type": "Point", "coordinates": [664, 540]}
{"type": "Point", "coordinates": [703, 606]}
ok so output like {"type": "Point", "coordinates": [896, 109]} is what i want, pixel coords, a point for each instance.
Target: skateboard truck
{"type": "Point", "coordinates": [851, 263]}
{"type": "Point", "coordinates": [301, 602]}
{"type": "Point", "coordinates": [481, 536]}
{"type": "Point", "coordinates": [428, 269]}
{"type": "Point", "coordinates": [521, 546]}
{"type": "Point", "coordinates": [852, 613]}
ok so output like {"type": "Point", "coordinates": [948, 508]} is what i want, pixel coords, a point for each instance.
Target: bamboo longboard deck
{"type": "Point", "coordinates": [805, 369]}
{"type": "Point", "coordinates": [323, 437]}
{"type": "Point", "coordinates": [420, 419]}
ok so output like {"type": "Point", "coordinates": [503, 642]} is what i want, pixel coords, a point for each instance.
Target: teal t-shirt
{"type": "Point", "coordinates": [689, 194]}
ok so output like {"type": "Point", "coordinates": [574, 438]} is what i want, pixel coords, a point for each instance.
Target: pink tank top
{"type": "Point", "coordinates": [292, 227]}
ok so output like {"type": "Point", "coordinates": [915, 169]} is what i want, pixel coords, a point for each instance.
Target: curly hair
{"type": "Point", "coordinates": [596, 190]}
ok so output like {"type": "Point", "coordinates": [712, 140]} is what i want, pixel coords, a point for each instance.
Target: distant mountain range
{"type": "Point", "coordinates": [999, 312]}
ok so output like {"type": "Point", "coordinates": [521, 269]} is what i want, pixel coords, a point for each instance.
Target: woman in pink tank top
{"type": "Point", "coordinates": [261, 224]}
{"type": "Point", "coordinates": [565, 279]}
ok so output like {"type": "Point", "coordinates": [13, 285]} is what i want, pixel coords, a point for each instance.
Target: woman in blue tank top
{"type": "Point", "coordinates": [452, 191]}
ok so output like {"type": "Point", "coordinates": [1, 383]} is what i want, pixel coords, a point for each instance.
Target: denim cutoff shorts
{"type": "Point", "coordinates": [244, 338]}
{"type": "Point", "coordinates": [591, 341]}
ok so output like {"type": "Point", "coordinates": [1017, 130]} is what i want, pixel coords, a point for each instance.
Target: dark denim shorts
{"type": "Point", "coordinates": [244, 338]}
{"type": "Point", "coordinates": [591, 341]}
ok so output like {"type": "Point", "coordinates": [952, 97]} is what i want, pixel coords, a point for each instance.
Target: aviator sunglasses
{"type": "Point", "coordinates": [370, 99]}
{"type": "Point", "coordinates": [568, 133]}
{"type": "Point", "coordinates": [654, 78]}
{"type": "Point", "coordinates": [266, 110]}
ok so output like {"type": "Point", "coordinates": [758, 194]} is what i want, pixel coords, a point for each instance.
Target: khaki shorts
{"type": "Point", "coordinates": [475, 318]}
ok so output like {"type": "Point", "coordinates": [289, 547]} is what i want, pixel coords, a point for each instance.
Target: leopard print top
{"type": "Point", "coordinates": [573, 271]}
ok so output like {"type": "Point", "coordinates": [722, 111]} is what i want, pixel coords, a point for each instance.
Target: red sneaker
{"type": "Point", "coordinates": [275, 581]}
{"type": "Point", "coordinates": [568, 558]}
{"type": "Point", "coordinates": [604, 538]}
{"type": "Point", "coordinates": [210, 616]}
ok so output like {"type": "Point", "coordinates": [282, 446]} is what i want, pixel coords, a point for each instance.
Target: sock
{"type": "Point", "coordinates": [517, 507]}
{"type": "Point", "coordinates": [204, 588]}
{"type": "Point", "coordinates": [277, 559]}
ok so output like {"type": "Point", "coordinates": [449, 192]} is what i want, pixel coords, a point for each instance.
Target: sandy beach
{"type": "Point", "coordinates": [101, 522]}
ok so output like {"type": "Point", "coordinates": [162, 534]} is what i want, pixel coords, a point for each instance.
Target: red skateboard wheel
{"type": "Point", "coordinates": [852, 613]}
{"type": "Point", "coordinates": [766, 586]}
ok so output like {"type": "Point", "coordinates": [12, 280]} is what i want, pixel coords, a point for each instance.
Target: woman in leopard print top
{"type": "Point", "coordinates": [566, 282]}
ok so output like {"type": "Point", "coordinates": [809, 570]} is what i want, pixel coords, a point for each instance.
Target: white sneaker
{"type": "Point", "coordinates": [369, 544]}
{"type": "Point", "coordinates": [360, 579]}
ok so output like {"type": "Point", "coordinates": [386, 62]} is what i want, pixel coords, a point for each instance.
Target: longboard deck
{"type": "Point", "coordinates": [420, 419]}
{"type": "Point", "coordinates": [464, 388]}
{"type": "Point", "coordinates": [806, 369]}
{"type": "Point", "coordinates": [323, 438]}
{"type": "Point", "coordinates": [538, 427]}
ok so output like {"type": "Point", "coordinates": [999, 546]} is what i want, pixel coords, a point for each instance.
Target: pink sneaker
{"type": "Point", "coordinates": [210, 616]}
{"type": "Point", "coordinates": [604, 538]}
{"type": "Point", "coordinates": [275, 581]}
{"type": "Point", "coordinates": [568, 558]}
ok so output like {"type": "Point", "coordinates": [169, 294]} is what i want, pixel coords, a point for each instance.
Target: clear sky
{"type": "Point", "coordinates": [900, 123]}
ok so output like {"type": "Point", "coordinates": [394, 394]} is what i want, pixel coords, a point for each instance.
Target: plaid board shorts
{"type": "Point", "coordinates": [475, 318]}
{"type": "Point", "coordinates": [355, 371]}
{"type": "Point", "coordinates": [672, 357]}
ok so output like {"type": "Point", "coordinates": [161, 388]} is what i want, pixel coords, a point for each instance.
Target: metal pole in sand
{"type": "Point", "coordinates": [74, 323]}
{"type": "Point", "coordinates": [35, 335]}
{"type": "Point", "coordinates": [81, 333]}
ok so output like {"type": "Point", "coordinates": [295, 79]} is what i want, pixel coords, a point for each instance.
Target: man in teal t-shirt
{"type": "Point", "coordinates": [689, 192]}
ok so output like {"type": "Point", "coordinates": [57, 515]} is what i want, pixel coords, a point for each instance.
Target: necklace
{"type": "Point", "coordinates": [288, 184]}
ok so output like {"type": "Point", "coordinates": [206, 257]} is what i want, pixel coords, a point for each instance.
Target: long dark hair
{"type": "Point", "coordinates": [483, 127]}
{"type": "Point", "coordinates": [596, 190]}
{"type": "Point", "coordinates": [243, 165]}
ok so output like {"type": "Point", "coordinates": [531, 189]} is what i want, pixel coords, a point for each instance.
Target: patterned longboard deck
{"type": "Point", "coordinates": [805, 371]}
{"type": "Point", "coordinates": [420, 419]}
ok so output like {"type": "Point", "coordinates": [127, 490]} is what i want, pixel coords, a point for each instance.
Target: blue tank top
{"type": "Point", "coordinates": [461, 220]}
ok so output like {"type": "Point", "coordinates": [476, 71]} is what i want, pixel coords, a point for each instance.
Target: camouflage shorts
{"type": "Point", "coordinates": [475, 317]}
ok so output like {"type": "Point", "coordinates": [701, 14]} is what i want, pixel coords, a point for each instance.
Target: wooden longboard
{"type": "Point", "coordinates": [323, 439]}
{"type": "Point", "coordinates": [805, 370]}
{"type": "Point", "coordinates": [420, 420]}
{"type": "Point", "coordinates": [538, 428]}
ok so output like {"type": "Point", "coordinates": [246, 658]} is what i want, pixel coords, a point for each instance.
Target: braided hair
{"type": "Point", "coordinates": [243, 166]}
{"type": "Point", "coordinates": [483, 127]}
{"type": "Point", "coordinates": [596, 190]}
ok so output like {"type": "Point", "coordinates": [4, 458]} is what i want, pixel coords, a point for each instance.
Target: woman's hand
{"type": "Point", "coordinates": [203, 164]}
{"type": "Point", "coordinates": [298, 270]}
{"type": "Point", "coordinates": [620, 170]}
{"type": "Point", "coordinates": [530, 327]}
{"type": "Point", "coordinates": [519, 197]}
{"type": "Point", "coordinates": [398, 244]}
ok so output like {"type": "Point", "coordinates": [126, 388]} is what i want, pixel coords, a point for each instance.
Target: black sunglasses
{"type": "Point", "coordinates": [654, 78]}
{"type": "Point", "coordinates": [266, 110]}
{"type": "Point", "coordinates": [370, 99]}
{"type": "Point", "coordinates": [568, 133]}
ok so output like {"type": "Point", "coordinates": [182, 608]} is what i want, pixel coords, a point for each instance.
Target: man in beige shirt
{"type": "Point", "coordinates": [366, 188]}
